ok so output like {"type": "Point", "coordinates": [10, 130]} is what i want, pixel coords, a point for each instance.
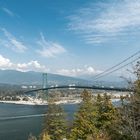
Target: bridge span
{"type": "Point", "coordinates": [80, 87]}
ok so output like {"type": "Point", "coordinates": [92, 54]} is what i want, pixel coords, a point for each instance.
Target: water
{"type": "Point", "coordinates": [18, 121]}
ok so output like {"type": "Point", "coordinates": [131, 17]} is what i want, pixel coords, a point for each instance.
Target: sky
{"type": "Point", "coordinates": [68, 37]}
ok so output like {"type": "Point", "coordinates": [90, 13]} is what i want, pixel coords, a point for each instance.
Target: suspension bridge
{"type": "Point", "coordinates": [133, 58]}
{"type": "Point", "coordinates": [46, 87]}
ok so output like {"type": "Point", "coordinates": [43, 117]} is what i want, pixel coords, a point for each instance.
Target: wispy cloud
{"type": "Point", "coordinates": [9, 12]}
{"type": "Point", "coordinates": [85, 71]}
{"type": "Point", "coordinates": [101, 22]}
{"type": "Point", "coordinates": [33, 65]}
{"type": "Point", "coordinates": [12, 42]}
{"type": "Point", "coordinates": [49, 49]}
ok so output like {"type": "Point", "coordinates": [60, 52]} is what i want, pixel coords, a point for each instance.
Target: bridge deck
{"type": "Point", "coordinates": [82, 87]}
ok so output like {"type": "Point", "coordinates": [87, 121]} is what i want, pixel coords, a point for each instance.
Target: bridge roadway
{"type": "Point", "coordinates": [81, 87]}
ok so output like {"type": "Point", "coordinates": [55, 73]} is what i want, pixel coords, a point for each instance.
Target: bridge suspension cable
{"type": "Point", "coordinates": [112, 69]}
{"type": "Point", "coordinates": [117, 68]}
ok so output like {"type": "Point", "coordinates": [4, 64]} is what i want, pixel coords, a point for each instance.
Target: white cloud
{"type": "Point", "coordinates": [12, 42]}
{"type": "Point", "coordinates": [9, 12]}
{"type": "Point", "coordinates": [5, 63]}
{"type": "Point", "coordinates": [86, 71]}
{"type": "Point", "coordinates": [49, 49]}
{"type": "Point", "coordinates": [34, 65]}
{"type": "Point", "coordinates": [103, 21]}
{"type": "Point", "coordinates": [31, 66]}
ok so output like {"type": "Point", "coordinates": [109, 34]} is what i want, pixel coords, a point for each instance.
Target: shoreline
{"type": "Point", "coordinates": [40, 102]}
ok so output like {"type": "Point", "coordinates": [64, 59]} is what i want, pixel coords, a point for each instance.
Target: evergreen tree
{"type": "Point", "coordinates": [107, 118]}
{"type": "Point", "coordinates": [85, 118]}
{"type": "Point", "coordinates": [54, 123]}
{"type": "Point", "coordinates": [45, 136]}
{"type": "Point", "coordinates": [106, 112]}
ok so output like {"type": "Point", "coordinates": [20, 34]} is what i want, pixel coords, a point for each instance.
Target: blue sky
{"type": "Point", "coordinates": [75, 38]}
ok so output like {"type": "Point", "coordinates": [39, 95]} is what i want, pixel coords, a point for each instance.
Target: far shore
{"type": "Point", "coordinates": [41, 102]}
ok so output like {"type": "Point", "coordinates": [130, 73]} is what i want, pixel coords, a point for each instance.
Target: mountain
{"type": "Point", "coordinates": [14, 77]}
{"type": "Point", "coordinates": [35, 78]}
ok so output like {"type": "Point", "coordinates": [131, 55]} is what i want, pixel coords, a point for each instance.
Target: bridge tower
{"type": "Point", "coordinates": [45, 85]}
{"type": "Point", "coordinates": [45, 81]}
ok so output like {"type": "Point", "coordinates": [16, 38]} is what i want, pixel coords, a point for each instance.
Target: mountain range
{"type": "Point", "coordinates": [36, 78]}
{"type": "Point", "coordinates": [14, 77]}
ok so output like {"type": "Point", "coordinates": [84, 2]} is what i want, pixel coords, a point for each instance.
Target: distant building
{"type": "Point", "coordinates": [24, 87]}
{"type": "Point", "coordinates": [30, 86]}
{"type": "Point", "coordinates": [34, 86]}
